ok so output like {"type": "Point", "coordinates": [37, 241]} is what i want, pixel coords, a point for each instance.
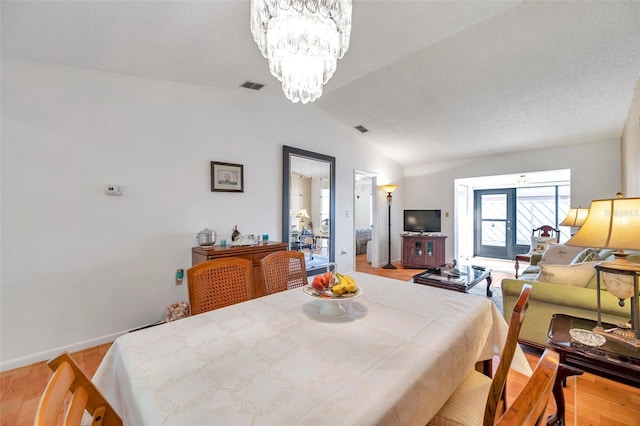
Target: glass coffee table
{"type": "Point", "coordinates": [586, 352]}
{"type": "Point", "coordinates": [467, 279]}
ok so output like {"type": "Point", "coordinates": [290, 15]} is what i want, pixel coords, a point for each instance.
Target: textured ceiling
{"type": "Point", "coordinates": [431, 80]}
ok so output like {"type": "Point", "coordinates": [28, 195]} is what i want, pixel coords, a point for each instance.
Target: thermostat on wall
{"type": "Point", "coordinates": [113, 189]}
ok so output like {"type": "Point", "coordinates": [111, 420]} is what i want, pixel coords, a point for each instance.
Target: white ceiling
{"type": "Point", "coordinates": [431, 80]}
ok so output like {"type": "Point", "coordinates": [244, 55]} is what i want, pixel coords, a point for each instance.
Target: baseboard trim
{"type": "Point", "coordinates": [47, 355]}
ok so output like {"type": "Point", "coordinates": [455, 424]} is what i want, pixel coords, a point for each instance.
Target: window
{"type": "Point", "coordinates": [541, 205]}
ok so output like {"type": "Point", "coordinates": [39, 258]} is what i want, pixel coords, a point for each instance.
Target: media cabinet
{"type": "Point", "coordinates": [423, 251]}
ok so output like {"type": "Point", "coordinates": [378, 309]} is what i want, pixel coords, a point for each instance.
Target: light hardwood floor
{"type": "Point", "coordinates": [591, 400]}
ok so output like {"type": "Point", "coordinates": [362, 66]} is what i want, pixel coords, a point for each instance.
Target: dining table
{"type": "Point", "coordinates": [391, 356]}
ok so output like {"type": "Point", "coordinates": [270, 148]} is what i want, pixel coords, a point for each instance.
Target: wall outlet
{"type": "Point", "coordinates": [113, 189]}
{"type": "Point", "coordinates": [179, 276]}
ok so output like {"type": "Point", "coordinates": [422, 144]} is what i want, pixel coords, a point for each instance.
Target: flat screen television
{"type": "Point", "coordinates": [422, 221]}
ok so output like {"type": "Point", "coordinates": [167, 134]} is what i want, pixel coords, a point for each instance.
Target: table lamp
{"type": "Point", "coordinates": [302, 215]}
{"type": "Point", "coordinates": [576, 217]}
{"type": "Point", "coordinates": [615, 223]}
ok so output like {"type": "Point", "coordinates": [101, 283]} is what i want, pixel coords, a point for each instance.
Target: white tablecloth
{"type": "Point", "coordinates": [393, 358]}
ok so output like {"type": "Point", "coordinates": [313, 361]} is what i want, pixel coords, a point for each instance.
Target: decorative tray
{"type": "Point", "coordinates": [586, 337]}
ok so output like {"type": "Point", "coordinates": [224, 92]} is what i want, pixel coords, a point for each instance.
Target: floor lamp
{"type": "Point", "coordinates": [389, 189]}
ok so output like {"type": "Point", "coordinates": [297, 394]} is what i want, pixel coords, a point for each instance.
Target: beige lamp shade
{"type": "Point", "coordinates": [575, 217]}
{"type": "Point", "coordinates": [389, 188]}
{"type": "Point", "coordinates": [613, 223]}
{"type": "Point", "coordinates": [302, 213]}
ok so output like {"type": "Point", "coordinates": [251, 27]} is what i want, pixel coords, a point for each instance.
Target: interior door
{"type": "Point", "coordinates": [494, 216]}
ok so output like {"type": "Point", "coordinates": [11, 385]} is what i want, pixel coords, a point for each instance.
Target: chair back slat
{"type": "Point", "coordinates": [529, 407]}
{"type": "Point", "coordinates": [284, 270]}
{"type": "Point", "coordinates": [497, 390]}
{"type": "Point", "coordinates": [67, 377]}
{"type": "Point", "coordinates": [76, 407]}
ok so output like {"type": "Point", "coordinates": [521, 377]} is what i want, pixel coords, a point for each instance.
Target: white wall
{"type": "Point", "coordinates": [363, 203]}
{"type": "Point", "coordinates": [630, 148]}
{"type": "Point", "coordinates": [79, 267]}
{"type": "Point", "coordinates": [595, 173]}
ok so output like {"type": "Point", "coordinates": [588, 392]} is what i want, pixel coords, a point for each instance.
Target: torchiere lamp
{"type": "Point", "coordinates": [615, 223]}
{"type": "Point", "coordinates": [389, 189]}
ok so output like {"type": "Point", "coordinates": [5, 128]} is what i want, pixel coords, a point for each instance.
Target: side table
{"type": "Point", "coordinates": [611, 360]}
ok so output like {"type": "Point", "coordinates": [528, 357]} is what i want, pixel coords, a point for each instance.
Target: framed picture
{"type": "Point", "coordinates": [226, 177]}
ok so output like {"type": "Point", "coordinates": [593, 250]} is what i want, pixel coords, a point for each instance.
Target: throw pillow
{"type": "Point", "coordinates": [586, 255]}
{"type": "Point", "coordinates": [559, 254]}
{"type": "Point", "coordinates": [576, 275]}
{"type": "Point", "coordinates": [539, 244]}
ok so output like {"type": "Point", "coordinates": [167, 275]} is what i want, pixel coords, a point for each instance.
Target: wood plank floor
{"type": "Point", "coordinates": [591, 400]}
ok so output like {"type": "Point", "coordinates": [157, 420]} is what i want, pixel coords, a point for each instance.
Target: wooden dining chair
{"type": "Point", "coordinates": [529, 407]}
{"type": "Point", "coordinates": [67, 377]}
{"type": "Point", "coordinates": [218, 283]}
{"type": "Point", "coordinates": [478, 398]}
{"type": "Point", "coordinates": [284, 270]}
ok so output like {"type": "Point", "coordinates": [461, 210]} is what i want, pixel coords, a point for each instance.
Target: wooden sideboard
{"type": "Point", "coordinates": [253, 253]}
{"type": "Point", "coordinates": [423, 251]}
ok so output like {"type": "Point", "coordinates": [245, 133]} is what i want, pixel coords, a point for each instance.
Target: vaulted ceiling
{"type": "Point", "coordinates": [430, 80]}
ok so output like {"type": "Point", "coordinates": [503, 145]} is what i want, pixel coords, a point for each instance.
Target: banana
{"type": "Point", "coordinates": [347, 283]}
{"type": "Point", "coordinates": [338, 289]}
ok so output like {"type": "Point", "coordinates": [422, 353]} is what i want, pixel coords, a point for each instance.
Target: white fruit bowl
{"type": "Point", "coordinates": [331, 305]}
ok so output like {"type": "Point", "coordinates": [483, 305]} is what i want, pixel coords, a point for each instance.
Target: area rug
{"type": "Point", "coordinates": [316, 261]}
{"type": "Point", "coordinates": [481, 290]}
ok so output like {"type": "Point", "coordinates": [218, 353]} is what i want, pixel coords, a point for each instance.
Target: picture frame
{"type": "Point", "coordinates": [227, 177]}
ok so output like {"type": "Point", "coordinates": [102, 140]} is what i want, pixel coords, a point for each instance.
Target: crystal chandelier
{"type": "Point", "coordinates": [302, 40]}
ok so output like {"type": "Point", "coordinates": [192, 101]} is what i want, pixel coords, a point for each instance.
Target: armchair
{"type": "Point", "coordinates": [540, 237]}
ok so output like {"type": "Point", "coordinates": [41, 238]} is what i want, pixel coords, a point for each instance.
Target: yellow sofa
{"type": "Point", "coordinates": [548, 298]}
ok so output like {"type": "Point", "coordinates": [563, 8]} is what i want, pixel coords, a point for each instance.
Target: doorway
{"type": "Point", "coordinates": [495, 211]}
{"type": "Point", "coordinates": [365, 218]}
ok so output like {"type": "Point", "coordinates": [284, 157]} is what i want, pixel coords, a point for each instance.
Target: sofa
{"type": "Point", "coordinates": [573, 298]}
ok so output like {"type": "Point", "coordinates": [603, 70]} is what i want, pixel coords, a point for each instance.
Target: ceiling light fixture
{"type": "Point", "coordinates": [522, 180]}
{"type": "Point", "coordinates": [302, 40]}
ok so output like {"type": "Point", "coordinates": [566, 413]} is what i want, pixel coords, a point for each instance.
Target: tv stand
{"type": "Point", "coordinates": [423, 251]}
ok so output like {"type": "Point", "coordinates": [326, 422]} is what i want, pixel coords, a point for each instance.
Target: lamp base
{"type": "Point", "coordinates": [619, 335]}
{"type": "Point", "coordinates": [389, 266]}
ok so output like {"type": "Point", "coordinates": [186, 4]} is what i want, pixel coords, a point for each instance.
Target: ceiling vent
{"type": "Point", "coordinates": [362, 129]}
{"type": "Point", "coordinates": [251, 85]}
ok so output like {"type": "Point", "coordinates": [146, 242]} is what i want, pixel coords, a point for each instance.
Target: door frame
{"type": "Point", "coordinates": [374, 214]}
{"type": "Point", "coordinates": [500, 252]}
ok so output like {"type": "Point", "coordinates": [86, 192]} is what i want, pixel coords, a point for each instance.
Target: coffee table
{"type": "Point", "coordinates": [469, 277]}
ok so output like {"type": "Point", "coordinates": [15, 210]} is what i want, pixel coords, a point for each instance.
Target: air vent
{"type": "Point", "coordinates": [362, 129]}
{"type": "Point", "coordinates": [251, 85]}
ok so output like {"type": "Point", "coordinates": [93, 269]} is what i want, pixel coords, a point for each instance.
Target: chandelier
{"type": "Point", "coordinates": [302, 40]}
